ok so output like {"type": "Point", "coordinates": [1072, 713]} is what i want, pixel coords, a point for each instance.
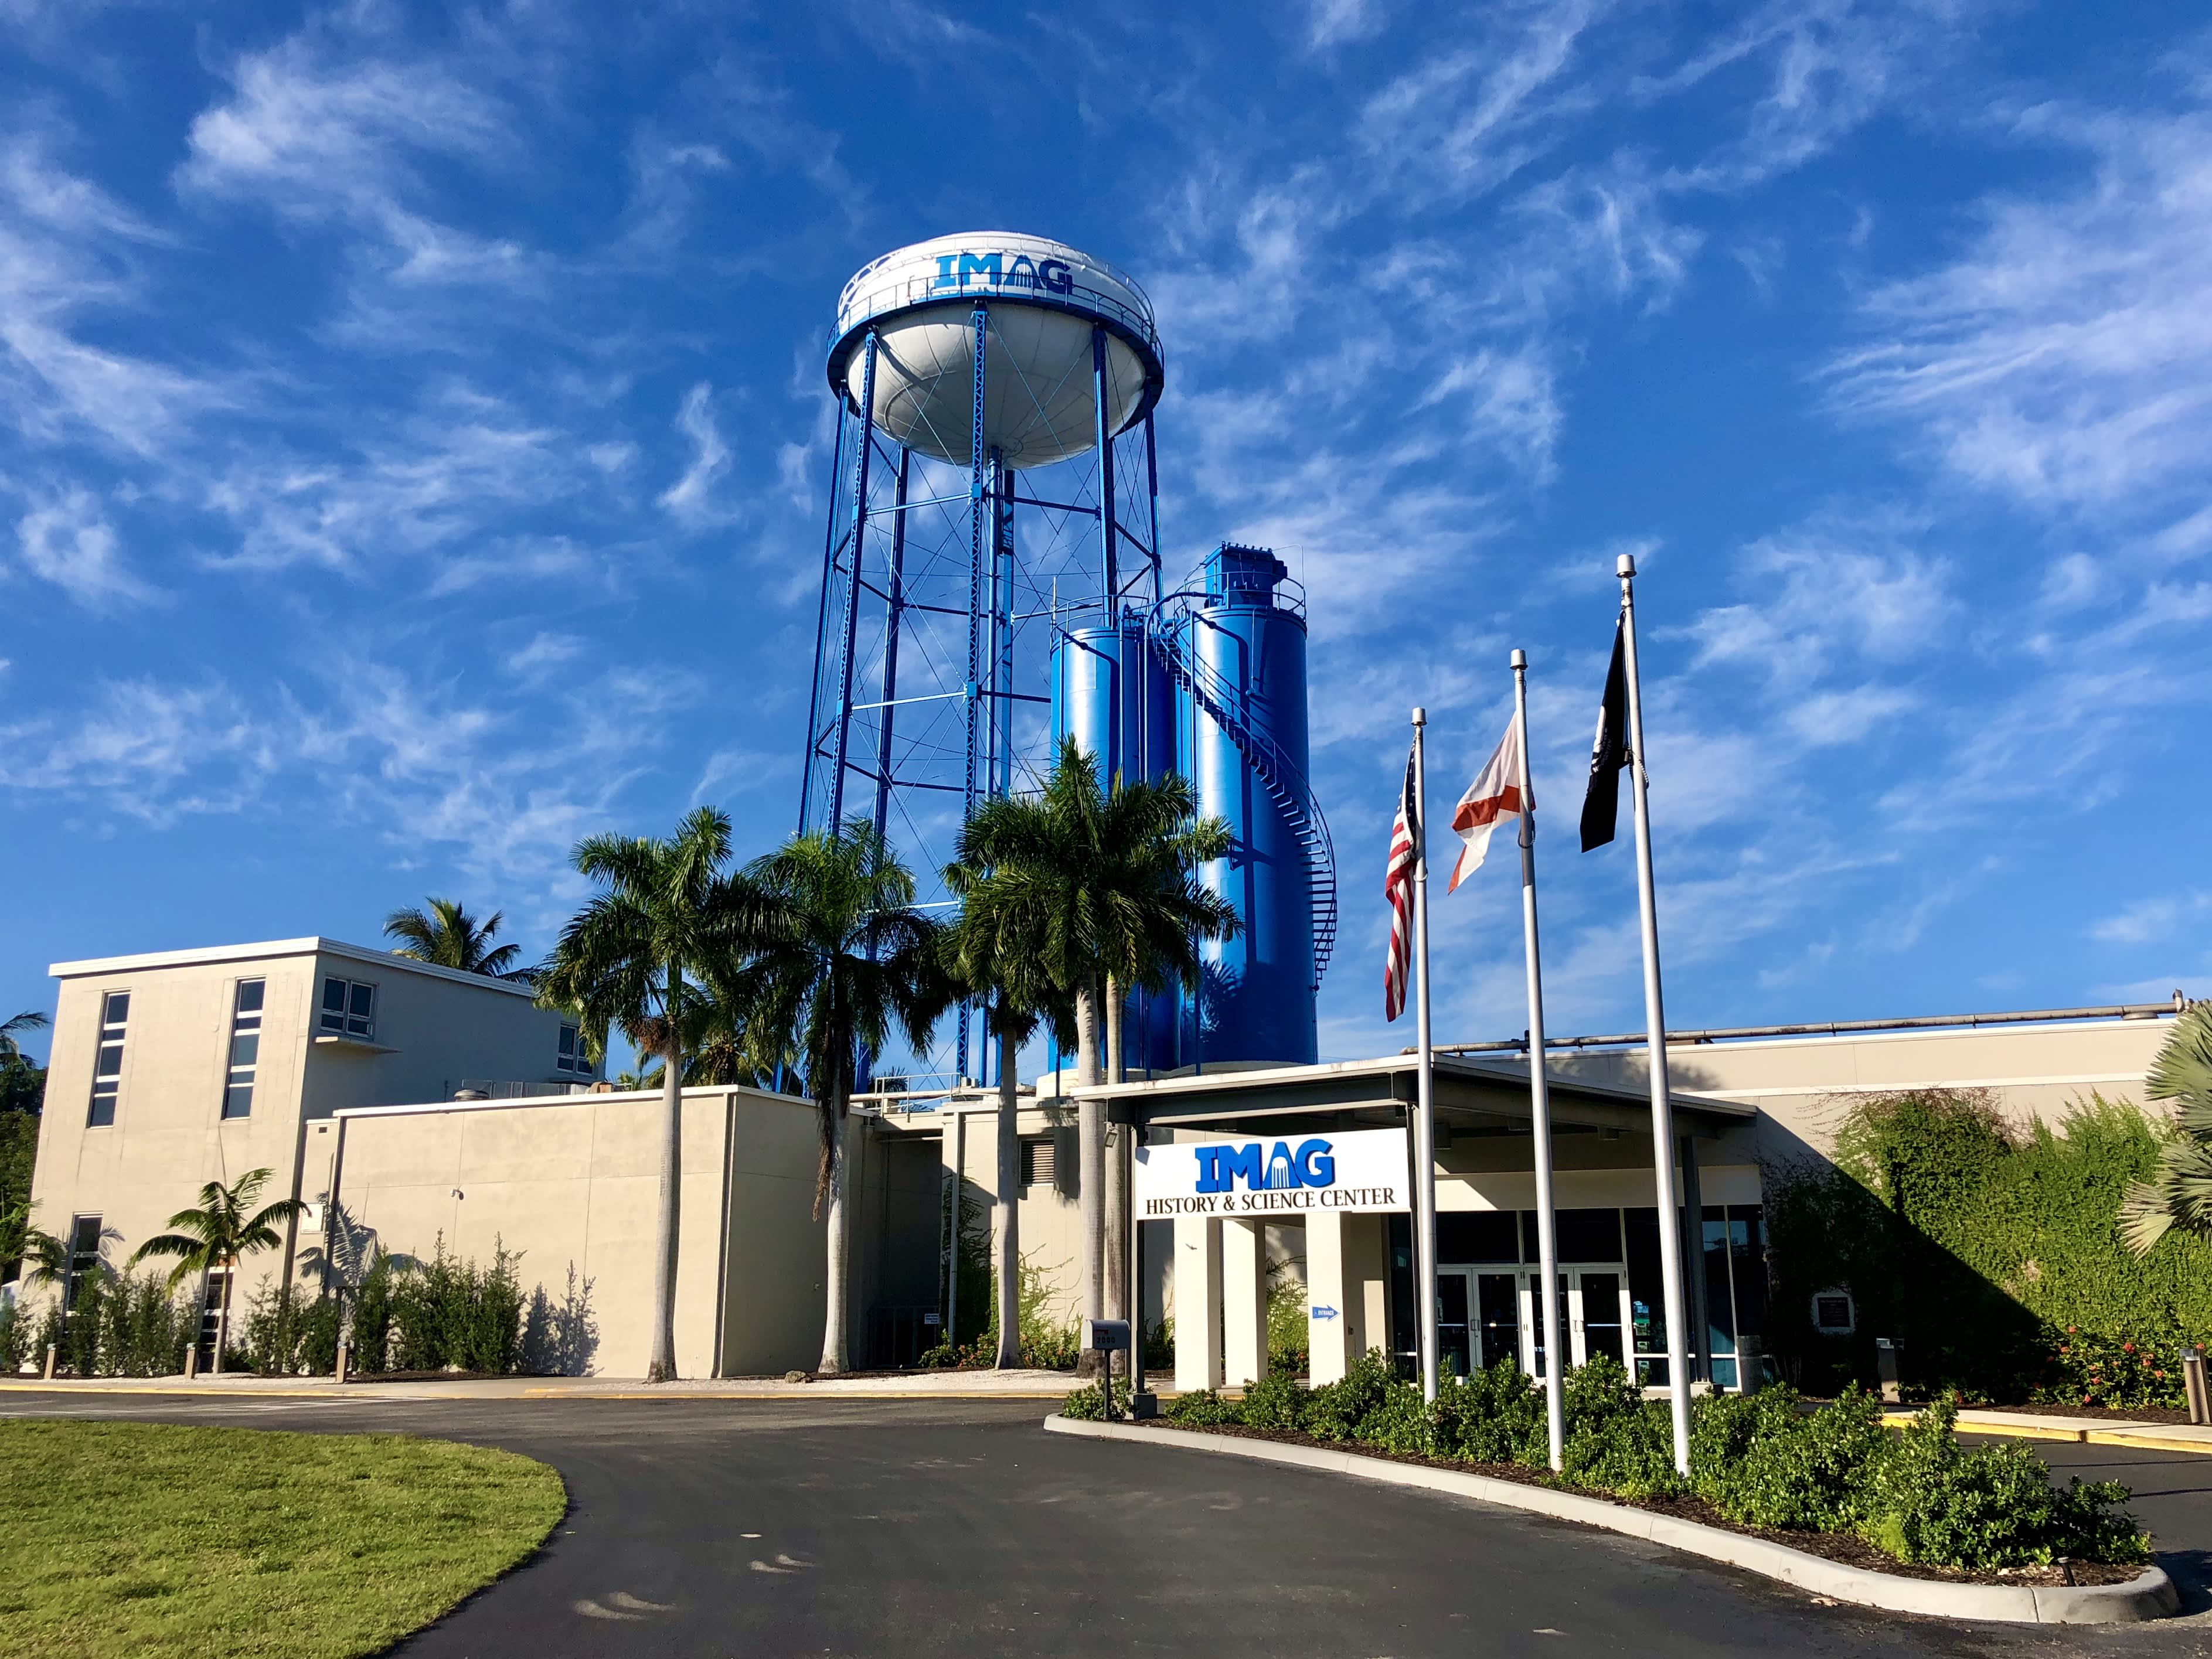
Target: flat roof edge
{"type": "Point", "coordinates": [268, 950]}
{"type": "Point", "coordinates": [581, 1097]}
{"type": "Point", "coordinates": [1389, 1065]}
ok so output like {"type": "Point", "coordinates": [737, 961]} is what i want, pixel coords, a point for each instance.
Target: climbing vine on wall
{"type": "Point", "coordinates": [1992, 1255]}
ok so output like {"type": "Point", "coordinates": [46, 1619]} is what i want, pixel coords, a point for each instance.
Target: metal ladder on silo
{"type": "Point", "coordinates": [1285, 784]}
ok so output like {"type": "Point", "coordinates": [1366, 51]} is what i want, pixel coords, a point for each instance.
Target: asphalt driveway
{"type": "Point", "coordinates": [728, 1528]}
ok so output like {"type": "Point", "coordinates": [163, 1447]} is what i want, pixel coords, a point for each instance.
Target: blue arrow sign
{"type": "Point", "coordinates": [1323, 1313]}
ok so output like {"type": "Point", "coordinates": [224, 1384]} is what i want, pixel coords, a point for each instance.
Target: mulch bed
{"type": "Point", "coordinates": [1847, 1548]}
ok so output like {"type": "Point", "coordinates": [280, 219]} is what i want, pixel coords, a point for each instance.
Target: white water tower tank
{"type": "Point", "coordinates": [1044, 300]}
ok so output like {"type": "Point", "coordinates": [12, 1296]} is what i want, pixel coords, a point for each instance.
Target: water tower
{"type": "Point", "coordinates": [992, 578]}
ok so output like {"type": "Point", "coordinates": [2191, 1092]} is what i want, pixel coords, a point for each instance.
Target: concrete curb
{"type": "Point", "coordinates": [2152, 1596]}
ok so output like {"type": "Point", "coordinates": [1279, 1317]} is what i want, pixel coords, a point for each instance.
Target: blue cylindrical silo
{"type": "Point", "coordinates": [1247, 649]}
{"type": "Point", "coordinates": [1110, 693]}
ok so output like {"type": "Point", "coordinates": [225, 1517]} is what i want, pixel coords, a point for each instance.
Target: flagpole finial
{"type": "Point", "coordinates": [1625, 565]}
{"type": "Point", "coordinates": [1420, 716]}
{"type": "Point", "coordinates": [1520, 660]}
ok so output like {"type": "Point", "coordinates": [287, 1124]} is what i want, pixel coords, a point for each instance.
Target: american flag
{"type": "Point", "coordinates": [1398, 887]}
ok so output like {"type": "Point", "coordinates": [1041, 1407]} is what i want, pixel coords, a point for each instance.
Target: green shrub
{"type": "Point", "coordinates": [1205, 1408]}
{"type": "Point", "coordinates": [2095, 1370]}
{"type": "Point", "coordinates": [1085, 1405]}
{"type": "Point", "coordinates": [371, 1326]}
{"type": "Point", "coordinates": [451, 1314]}
{"type": "Point", "coordinates": [1398, 1422]}
{"type": "Point", "coordinates": [1615, 1440]}
{"type": "Point", "coordinates": [1275, 1401]}
{"type": "Point", "coordinates": [144, 1329]}
{"type": "Point", "coordinates": [15, 1335]}
{"type": "Point", "coordinates": [289, 1332]}
{"type": "Point", "coordinates": [1335, 1410]}
{"type": "Point", "coordinates": [1761, 1461]}
{"type": "Point", "coordinates": [1934, 1500]}
{"type": "Point", "coordinates": [1496, 1416]}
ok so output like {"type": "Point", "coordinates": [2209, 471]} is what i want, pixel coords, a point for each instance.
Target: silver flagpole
{"type": "Point", "coordinates": [1655, 1021]}
{"type": "Point", "coordinates": [1425, 1129]}
{"type": "Point", "coordinates": [1540, 1092]}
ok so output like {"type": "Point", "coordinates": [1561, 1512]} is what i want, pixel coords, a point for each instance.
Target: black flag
{"type": "Point", "coordinates": [1601, 806]}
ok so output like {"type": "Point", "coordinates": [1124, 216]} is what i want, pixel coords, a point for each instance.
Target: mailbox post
{"type": "Point", "coordinates": [1102, 1337]}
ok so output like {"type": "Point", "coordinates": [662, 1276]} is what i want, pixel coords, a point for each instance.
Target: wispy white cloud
{"type": "Point", "coordinates": [2064, 359]}
{"type": "Point", "coordinates": [2144, 920]}
{"type": "Point", "coordinates": [68, 260]}
{"type": "Point", "coordinates": [67, 540]}
{"type": "Point", "coordinates": [319, 131]}
{"type": "Point", "coordinates": [691, 499]}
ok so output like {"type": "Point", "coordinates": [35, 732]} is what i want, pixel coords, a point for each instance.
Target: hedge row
{"type": "Point", "coordinates": [1760, 1459]}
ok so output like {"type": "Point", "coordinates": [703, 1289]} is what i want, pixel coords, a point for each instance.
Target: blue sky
{"type": "Point", "coordinates": [415, 447]}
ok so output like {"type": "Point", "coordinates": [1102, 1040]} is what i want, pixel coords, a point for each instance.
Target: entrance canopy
{"type": "Point", "coordinates": [1474, 1098]}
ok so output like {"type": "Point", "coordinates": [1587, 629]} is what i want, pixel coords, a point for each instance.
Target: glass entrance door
{"type": "Point", "coordinates": [1592, 1311]}
{"type": "Point", "coordinates": [1453, 1329]}
{"type": "Point", "coordinates": [1497, 1313]}
{"type": "Point", "coordinates": [1598, 1315]}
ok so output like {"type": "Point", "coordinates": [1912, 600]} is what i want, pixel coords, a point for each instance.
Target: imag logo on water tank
{"type": "Point", "coordinates": [956, 270]}
{"type": "Point", "coordinates": [1220, 1168]}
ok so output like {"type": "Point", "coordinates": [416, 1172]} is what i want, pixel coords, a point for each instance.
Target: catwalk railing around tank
{"type": "Point", "coordinates": [1279, 775]}
{"type": "Point", "coordinates": [904, 293]}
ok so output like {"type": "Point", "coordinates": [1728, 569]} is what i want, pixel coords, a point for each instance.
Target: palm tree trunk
{"type": "Point", "coordinates": [1116, 1243]}
{"type": "Point", "coordinates": [222, 1319]}
{"type": "Point", "coordinates": [1091, 1156]}
{"type": "Point", "coordinates": [835, 1358]}
{"type": "Point", "coordinates": [661, 1367]}
{"type": "Point", "coordinates": [1005, 1240]}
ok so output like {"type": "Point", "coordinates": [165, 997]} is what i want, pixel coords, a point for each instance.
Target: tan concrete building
{"type": "Point", "coordinates": [350, 1089]}
{"type": "Point", "coordinates": [573, 1181]}
{"type": "Point", "coordinates": [176, 1068]}
{"type": "Point", "coordinates": [2034, 1066]}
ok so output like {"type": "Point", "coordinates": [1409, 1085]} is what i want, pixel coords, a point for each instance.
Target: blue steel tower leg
{"type": "Point", "coordinates": [979, 463]}
{"type": "Point", "coordinates": [1109, 585]}
{"type": "Point", "coordinates": [895, 604]}
{"type": "Point", "coordinates": [822, 623]}
{"type": "Point", "coordinates": [1152, 505]}
{"type": "Point", "coordinates": [1003, 672]}
{"type": "Point", "coordinates": [853, 584]}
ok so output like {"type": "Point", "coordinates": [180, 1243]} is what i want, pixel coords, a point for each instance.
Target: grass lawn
{"type": "Point", "coordinates": [153, 1541]}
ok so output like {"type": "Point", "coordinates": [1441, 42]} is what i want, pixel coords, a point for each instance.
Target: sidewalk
{"type": "Point", "coordinates": [901, 1385]}
{"type": "Point", "coordinates": [2089, 1430]}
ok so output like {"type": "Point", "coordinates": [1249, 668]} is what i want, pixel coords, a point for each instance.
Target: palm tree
{"type": "Point", "coordinates": [1094, 888]}
{"type": "Point", "coordinates": [837, 957]}
{"type": "Point", "coordinates": [667, 908]}
{"type": "Point", "coordinates": [221, 1234]}
{"type": "Point", "coordinates": [29, 1020]}
{"type": "Point", "coordinates": [449, 937]}
{"type": "Point", "coordinates": [2178, 1194]}
{"type": "Point", "coordinates": [997, 968]}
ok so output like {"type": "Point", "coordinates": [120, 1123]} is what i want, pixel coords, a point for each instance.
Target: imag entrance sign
{"type": "Point", "coordinates": [1360, 1172]}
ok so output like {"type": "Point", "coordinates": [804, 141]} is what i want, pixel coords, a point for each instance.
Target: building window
{"type": "Point", "coordinates": [572, 1057]}
{"type": "Point", "coordinates": [107, 1070]}
{"type": "Point", "coordinates": [245, 1048]}
{"type": "Point", "coordinates": [1036, 1162]}
{"type": "Point", "coordinates": [349, 1009]}
{"type": "Point", "coordinates": [84, 1255]}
